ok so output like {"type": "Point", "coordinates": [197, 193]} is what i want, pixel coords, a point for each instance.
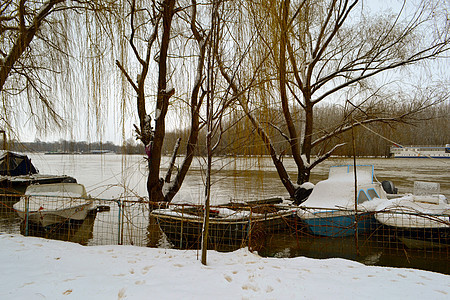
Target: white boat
{"type": "Point", "coordinates": [330, 209]}
{"type": "Point", "coordinates": [398, 151]}
{"type": "Point", "coordinates": [51, 204]}
{"type": "Point", "coordinates": [419, 220]}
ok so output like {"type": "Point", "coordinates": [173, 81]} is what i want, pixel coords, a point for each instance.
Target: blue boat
{"type": "Point", "coordinates": [331, 210]}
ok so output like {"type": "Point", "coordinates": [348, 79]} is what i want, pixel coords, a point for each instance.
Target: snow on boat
{"type": "Point", "coordinates": [51, 204]}
{"type": "Point", "coordinates": [330, 209]}
{"type": "Point", "coordinates": [231, 226]}
{"type": "Point", "coordinates": [419, 220]}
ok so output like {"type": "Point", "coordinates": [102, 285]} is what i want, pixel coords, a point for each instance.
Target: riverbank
{"type": "Point", "coordinates": [40, 268]}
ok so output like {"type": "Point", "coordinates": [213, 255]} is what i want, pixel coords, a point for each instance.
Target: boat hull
{"type": "Point", "coordinates": [76, 231]}
{"type": "Point", "coordinates": [338, 223]}
{"type": "Point", "coordinates": [420, 238]}
{"type": "Point", "coordinates": [49, 218]}
{"type": "Point", "coordinates": [223, 235]}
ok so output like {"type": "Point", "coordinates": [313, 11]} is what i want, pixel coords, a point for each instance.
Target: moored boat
{"type": "Point", "coordinates": [398, 151]}
{"type": "Point", "coordinates": [51, 204]}
{"type": "Point", "coordinates": [330, 209]}
{"type": "Point", "coordinates": [230, 226]}
{"type": "Point", "coordinates": [17, 173]}
{"type": "Point", "coordinates": [419, 221]}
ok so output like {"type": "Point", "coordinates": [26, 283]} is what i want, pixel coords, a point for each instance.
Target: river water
{"type": "Point", "coordinates": [109, 176]}
{"type": "Point", "coordinates": [113, 176]}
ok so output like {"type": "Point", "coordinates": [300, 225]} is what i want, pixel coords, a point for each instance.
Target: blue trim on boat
{"type": "Point", "coordinates": [351, 166]}
{"type": "Point", "coordinates": [341, 225]}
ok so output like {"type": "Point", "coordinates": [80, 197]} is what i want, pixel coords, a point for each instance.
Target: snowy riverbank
{"type": "Point", "coordinates": [35, 268]}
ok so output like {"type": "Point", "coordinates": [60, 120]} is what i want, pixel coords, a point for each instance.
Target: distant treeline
{"type": "Point", "coordinates": [432, 128]}
{"type": "Point", "coordinates": [64, 146]}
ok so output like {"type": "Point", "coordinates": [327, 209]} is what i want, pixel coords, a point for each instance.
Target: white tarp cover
{"type": "Point", "coordinates": [52, 197]}
{"type": "Point", "coordinates": [339, 189]}
{"type": "Point", "coordinates": [412, 211]}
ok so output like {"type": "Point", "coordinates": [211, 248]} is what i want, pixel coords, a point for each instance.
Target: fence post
{"type": "Point", "coordinates": [123, 222]}
{"type": "Point", "coordinates": [181, 229]}
{"type": "Point", "coordinates": [27, 206]}
{"type": "Point", "coordinates": [250, 230]}
{"type": "Point", "coordinates": [119, 220]}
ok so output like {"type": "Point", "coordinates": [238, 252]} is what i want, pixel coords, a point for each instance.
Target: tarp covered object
{"type": "Point", "coordinates": [14, 164]}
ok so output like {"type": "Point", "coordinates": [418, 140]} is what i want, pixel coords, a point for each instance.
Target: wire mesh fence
{"type": "Point", "coordinates": [388, 237]}
{"type": "Point", "coordinates": [231, 226]}
{"type": "Point", "coordinates": [92, 222]}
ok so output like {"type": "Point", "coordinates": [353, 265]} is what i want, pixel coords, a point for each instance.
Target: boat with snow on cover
{"type": "Point", "coordinates": [419, 220]}
{"type": "Point", "coordinates": [330, 208]}
{"type": "Point", "coordinates": [51, 204]}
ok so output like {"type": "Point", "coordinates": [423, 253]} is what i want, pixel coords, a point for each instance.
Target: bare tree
{"type": "Point", "coordinates": [306, 52]}
{"type": "Point", "coordinates": [218, 104]}
{"type": "Point", "coordinates": [156, 44]}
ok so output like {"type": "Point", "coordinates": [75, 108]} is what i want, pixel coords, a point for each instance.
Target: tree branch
{"type": "Point", "coordinates": [124, 72]}
{"type": "Point", "coordinates": [172, 161]}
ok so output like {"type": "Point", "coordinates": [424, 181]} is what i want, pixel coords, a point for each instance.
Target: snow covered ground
{"type": "Point", "coordinates": [35, 268]}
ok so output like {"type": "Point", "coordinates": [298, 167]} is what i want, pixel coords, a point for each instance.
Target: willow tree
{"type": "Point", "coordinates": [36, 49]}
{"type": "Point", "coordinates": [154, 30]}
{"type": "Point", "coordinates": [298, 54]}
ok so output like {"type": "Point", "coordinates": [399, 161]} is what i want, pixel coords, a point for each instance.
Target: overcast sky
{"type": "Point", "coordinates": [114, 122]}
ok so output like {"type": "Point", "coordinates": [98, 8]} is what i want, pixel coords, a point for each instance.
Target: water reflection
{"type": "Point", "coordinates": [71, 231]}
{"type": "Point", "coordinates": [9, 220]}
{"type": "Point", "coordinates": [381, 248]}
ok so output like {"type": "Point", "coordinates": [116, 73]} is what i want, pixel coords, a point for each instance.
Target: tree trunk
{"type": "Point", "coordinates": [154, 182]}
{"type": "Point", "coordinates": [304, 171]}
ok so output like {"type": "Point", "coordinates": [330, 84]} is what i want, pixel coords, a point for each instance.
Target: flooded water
{"type": "Point", "coordinates": [110, 176]}
{"type": "Point", "coordinates": [116, 176]}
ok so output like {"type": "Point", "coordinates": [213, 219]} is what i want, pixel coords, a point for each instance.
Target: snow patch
{"type": "Point", "coordinates": [307, 186]}
{"type": "Point", "coordinates": [112, 272]}
{"type": "Point", "coordinates": [305, 161]}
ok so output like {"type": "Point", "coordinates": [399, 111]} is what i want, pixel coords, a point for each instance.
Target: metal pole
{"type": "Point", "coordinates": [250, 230]}
{"type": "Point", "coordinates": [118, 220]}
{"type": "Point", "coordinates": [356, 189]}
{"type": "Point", "coordinates": [182, 223]}
{"type": "Point", "coordinates": [26, 214]}
{"type": "Point", "coordinates": [123, 215]}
